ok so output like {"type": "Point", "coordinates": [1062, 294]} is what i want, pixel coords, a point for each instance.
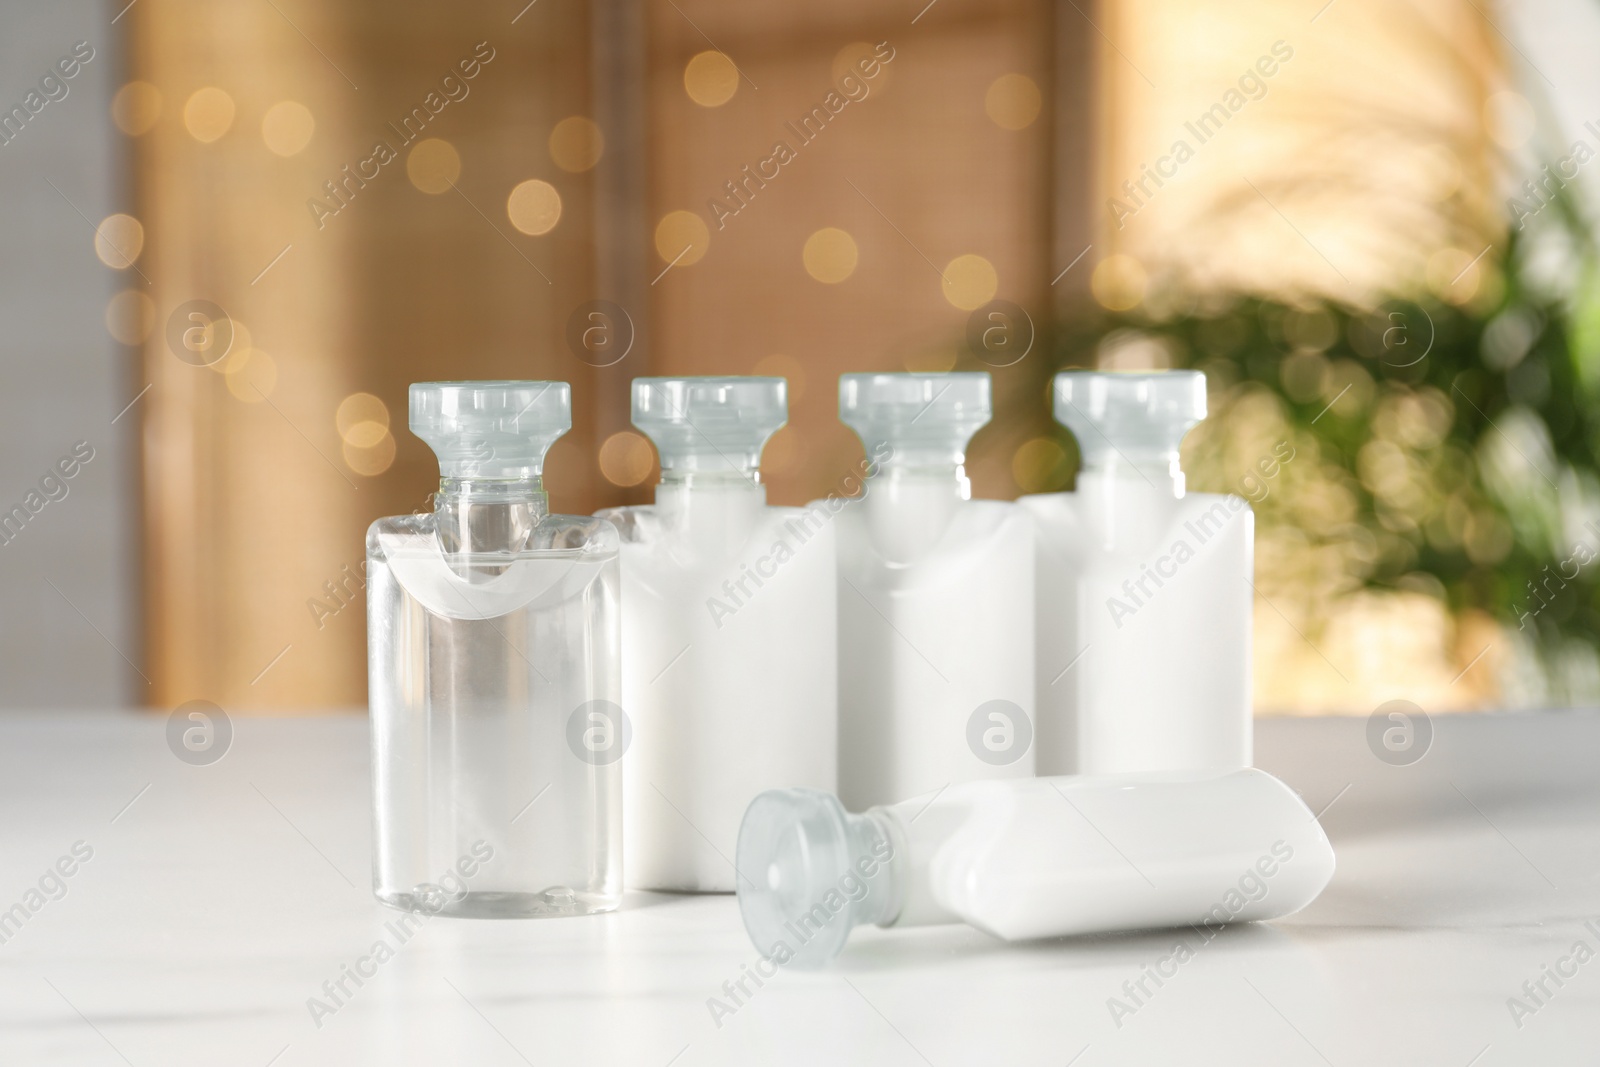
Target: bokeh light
{"type": "Point", "coordinates": [788, 368]}
{"type": "Point", "coordinates": [252, 375]}
{"type": "Point", "coordinates": [130, 317]}
{"type": "Point", "coordinates": [1118, 282]}
{"type": "Point", "coordinates": [710, 79]}
{"type": "Point", "coordinates": [136, 107]}
{"type": "Point", "coordinates": [848, 60]}
{"type": "Point", "coordinates": [1012, 102]}
{"type": "Point", "coordinates": [208, 114]}
{"type": "Point", "coordinates": [118, 240]}
{"type": "Point", "coordinates": [830, 255]}
{"type": "Point", "coordinates": [969, 282]}
{"type": "Point", "coordinates": [362, 420]}
{"type": "Point", "coordinates": [287, 127]}
{"type": "Point", "coordinates": [626, 458]}
{"type": "Point", "coordinates": [369, 461]}
{"type": "Point", "coordinates": [534, 207]}
{"type": "Point", "coordinates": [433, 165]}
{"type": "Point", "coordinates": [682, 237]}
{"type": "Point", "coordinates": [576, 144]}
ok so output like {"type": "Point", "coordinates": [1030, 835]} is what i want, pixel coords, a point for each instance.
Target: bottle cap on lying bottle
{"type": "Point", "coordinates": [490, 430]}
{"type": "Point", "coordinates": [808, 873]}
{"type": "Point", "coordinates": [1130, 420]}
{"type": "Point", "coordinates": [710, 424]}
{"type": "Point", "coordinates": [915, 419]}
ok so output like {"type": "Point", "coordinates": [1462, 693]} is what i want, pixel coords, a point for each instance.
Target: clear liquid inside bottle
{"type": "Point", "coordinates": [494, 682]}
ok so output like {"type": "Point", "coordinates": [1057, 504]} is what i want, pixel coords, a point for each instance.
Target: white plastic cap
{"type": "Point", "coordinates": [915, 419]}
{"type": "Point", "coordinates": [1133, 418]}
{"type": "Point", "coordinates": [490, 429]}
{"type": "Point", "coordinates": [710, 424]}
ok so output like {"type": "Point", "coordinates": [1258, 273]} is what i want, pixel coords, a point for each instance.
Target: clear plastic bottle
{"type": "Point", "coordinates": [728, 633]}
{"type": "Point", "coordinates": [935, 599]}
{"type": "Point", "coordinates": [492, 642]}
{"type": "Point", "coordinates": [1041, 857]}
{"type": "Point", "coordinates": [1144, 594]}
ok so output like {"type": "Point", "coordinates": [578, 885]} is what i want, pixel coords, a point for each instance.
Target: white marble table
{"type": "Point", "coordinates": [219, 898]}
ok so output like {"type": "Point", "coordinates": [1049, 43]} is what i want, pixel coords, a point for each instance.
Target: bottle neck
{"type": "Point", "coordinates": [1158, 471]}
{"type": "Point", "coordinates": [713, 509]}
{"type": "Point", "coordinates": [908, 508]}
{"type": "Point", "coordinates": [872, 842]}
{"type": "Point", "coordinates": [724, 480]}
{"type": "Point", "coordinates": [488, 515]}
{"type": "Point", "coordinates": [925, 479]}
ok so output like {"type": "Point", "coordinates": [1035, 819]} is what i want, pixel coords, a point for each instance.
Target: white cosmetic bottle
{"type": "Point", "coordinates": [1041, 857]}
{"type": "Point", "coordinates": [935, 599]}
{"type": "Point", "coordinates": [728, 633]}
{"type": "Point", "coordinates": [1144, 595]}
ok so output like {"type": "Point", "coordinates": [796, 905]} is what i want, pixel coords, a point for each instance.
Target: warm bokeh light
{"type": "Point", "coordinates": [118, 240]}
{"type": "Point", "coordinates": [1509, 118]}
{"type": "Point", "coordinates": [433, 165]}
{"type": "Point", "coordinates": [576, 144]}
{"type": "Point", "coordinates": [1118, 282]}
{"type": "Point", "coordinates": [208, 114]}
{"type": "Point", "coordinates": [356, 416]}
{"type": "Point", "coordinates": [369, 460]}
{"type": "Point", "coordinates": [1454, 275]}
{"type": "Point", "coordinates": [238, 342]}
{"type": "Point", "coordinates": [830, 255]}
{"type": "Point", "coordinates": [682, 237]}
{"type": "Point", "coordinates": [969, 282]}
{"type": "Point", "coordinates": [534, 207]}
{"type": "Point", "coordinates": [252, 375]}
{"type": "Point", "coordinates": [626, 458]}
{"type": "Point", "coordinates": [791, 370]}
{"type": "Point", "coordinates": [1012, 102]}
{"type": "Point", "coordinates": [710, 79]}
{"type": "Point", "coordinates": [130, 317]}
{"type": "Point", "coordinates": [136, 107]}
{"type": "Point", "coordinates": [1039, 465]}
{"type": "Point", "coordinates": [848, 62]}
{"type": "Point", "coordinates": [287, 127]}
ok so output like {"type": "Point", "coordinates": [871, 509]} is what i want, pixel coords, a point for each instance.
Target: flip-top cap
{"type": "Point", "coordinates": [490, 429]}
{"type": "Point", "coordinates": [1132, 417]}
{"type": "Point", "coordinates": [709, 424]}
{"type": "Point", "coordinates": [915, 418]}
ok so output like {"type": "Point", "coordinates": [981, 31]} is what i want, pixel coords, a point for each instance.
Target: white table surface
{"type": "Point", "coordinates": [222, 897]}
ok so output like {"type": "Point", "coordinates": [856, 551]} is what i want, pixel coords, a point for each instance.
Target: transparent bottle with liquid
{"type": "Point", "coordinates": [1144, 590]}
{"type": "Point", "coordinates": [494, 681]}
{"type": "Point", "coordinates": [1031, 858]}
{"type": "Point", "coordinates": [728, 633]}
{"type": "Point", "coordinates": [935, 599]}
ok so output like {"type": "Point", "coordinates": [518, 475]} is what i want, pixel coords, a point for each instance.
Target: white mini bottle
{"type": "Point", "coordinates": [728, 633]}
{"type": "Point", "coordinates": [1144, 595]}
{"type": "Point", "coordinates": [1041, 857]}
{"type": "Point", "coordinates": [935, 599]}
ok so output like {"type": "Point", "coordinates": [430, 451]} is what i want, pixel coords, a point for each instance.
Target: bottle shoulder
{"type": "Point", "coordinates": [561, 534]}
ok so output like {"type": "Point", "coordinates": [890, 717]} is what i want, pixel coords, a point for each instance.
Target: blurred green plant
{"type": "Point", "coordinates": [1444, 448]}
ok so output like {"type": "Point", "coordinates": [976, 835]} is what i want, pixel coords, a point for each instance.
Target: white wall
{"type": "Point", "coordinates": [62, 377]}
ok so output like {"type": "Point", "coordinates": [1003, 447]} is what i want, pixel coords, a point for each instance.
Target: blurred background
{"type": "Point", "coordinates": [234, 234]}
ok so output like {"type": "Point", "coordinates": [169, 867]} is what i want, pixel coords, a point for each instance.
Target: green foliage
{"type": "Point", "coordinates": [1452, 450]}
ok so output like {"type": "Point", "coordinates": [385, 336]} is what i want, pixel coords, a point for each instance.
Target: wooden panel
{"type": "Point", "coordinates": [916, 173]}
{"type": "Point", "coordinates": [251, 504]}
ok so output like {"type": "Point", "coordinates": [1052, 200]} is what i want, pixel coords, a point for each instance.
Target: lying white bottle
{"type": "Point", "coordinates": [1040, 857]}
{"type": "Point", "coordinates": [935, 599]}
{"type": "Point", "coordinates": [728, 634]}
{"type": "Point", "coordinates": [1144, 596]}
